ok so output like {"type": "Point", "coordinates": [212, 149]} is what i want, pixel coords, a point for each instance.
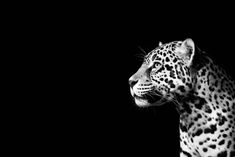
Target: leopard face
{"type": "Point", "coordinates": [164, 73]}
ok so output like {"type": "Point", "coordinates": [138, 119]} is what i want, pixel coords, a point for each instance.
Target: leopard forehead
{"type": "Point", "coordinates": [163, 52]}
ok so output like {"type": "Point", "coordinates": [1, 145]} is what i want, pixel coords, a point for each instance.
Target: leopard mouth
{"type": "Point", "coordinates": [149, 100]}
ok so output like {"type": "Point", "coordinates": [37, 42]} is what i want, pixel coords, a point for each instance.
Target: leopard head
{"type": "Point", "coordinates": [164, 73]}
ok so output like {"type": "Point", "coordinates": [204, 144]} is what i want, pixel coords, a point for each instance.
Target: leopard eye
{"type": "Point", "coordinates": [157, 65]}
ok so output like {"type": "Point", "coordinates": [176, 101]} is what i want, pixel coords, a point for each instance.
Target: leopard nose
{"type": "Point", "coordinates": [132, 82]}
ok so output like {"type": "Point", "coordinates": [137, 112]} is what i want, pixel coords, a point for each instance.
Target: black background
{"type": "Point", "coordinates": [111, 123]}
{"type": "Point", "coordinates": [85, 57]}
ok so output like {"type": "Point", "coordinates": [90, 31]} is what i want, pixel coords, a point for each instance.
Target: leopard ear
{"type": "Point", "coordinates": [186, 51]}
{"type": "Point", "coordinates": [160, 43]}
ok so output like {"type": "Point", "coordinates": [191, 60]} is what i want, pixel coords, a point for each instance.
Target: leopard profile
{"type": "Point", "coordinates": [203, 93]}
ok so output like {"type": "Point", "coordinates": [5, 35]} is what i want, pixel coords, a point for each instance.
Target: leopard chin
{"type": "Point", "coordinates": [141, 102]}
{"type": "Point", "coordinates": [149, 100]}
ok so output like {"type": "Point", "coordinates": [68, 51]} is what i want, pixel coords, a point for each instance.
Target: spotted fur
{"type": "Point", "coordinates": [203, 93]}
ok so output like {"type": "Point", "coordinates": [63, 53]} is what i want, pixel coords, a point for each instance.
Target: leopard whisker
{"type": "Point", "coordinates": [154, 93]}
{"type": "Point", "coordinates": [142, 50]}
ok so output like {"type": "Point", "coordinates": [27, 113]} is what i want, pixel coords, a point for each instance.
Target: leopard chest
{"type": "Point", "coordinates": [206, 129]}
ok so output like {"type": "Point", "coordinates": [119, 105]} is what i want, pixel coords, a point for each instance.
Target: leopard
{"type": "Point", "coordinates": [202, 92]}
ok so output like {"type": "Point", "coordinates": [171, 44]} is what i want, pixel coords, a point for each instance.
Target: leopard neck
{"type": "Point", "coordinates": [212, 95]}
